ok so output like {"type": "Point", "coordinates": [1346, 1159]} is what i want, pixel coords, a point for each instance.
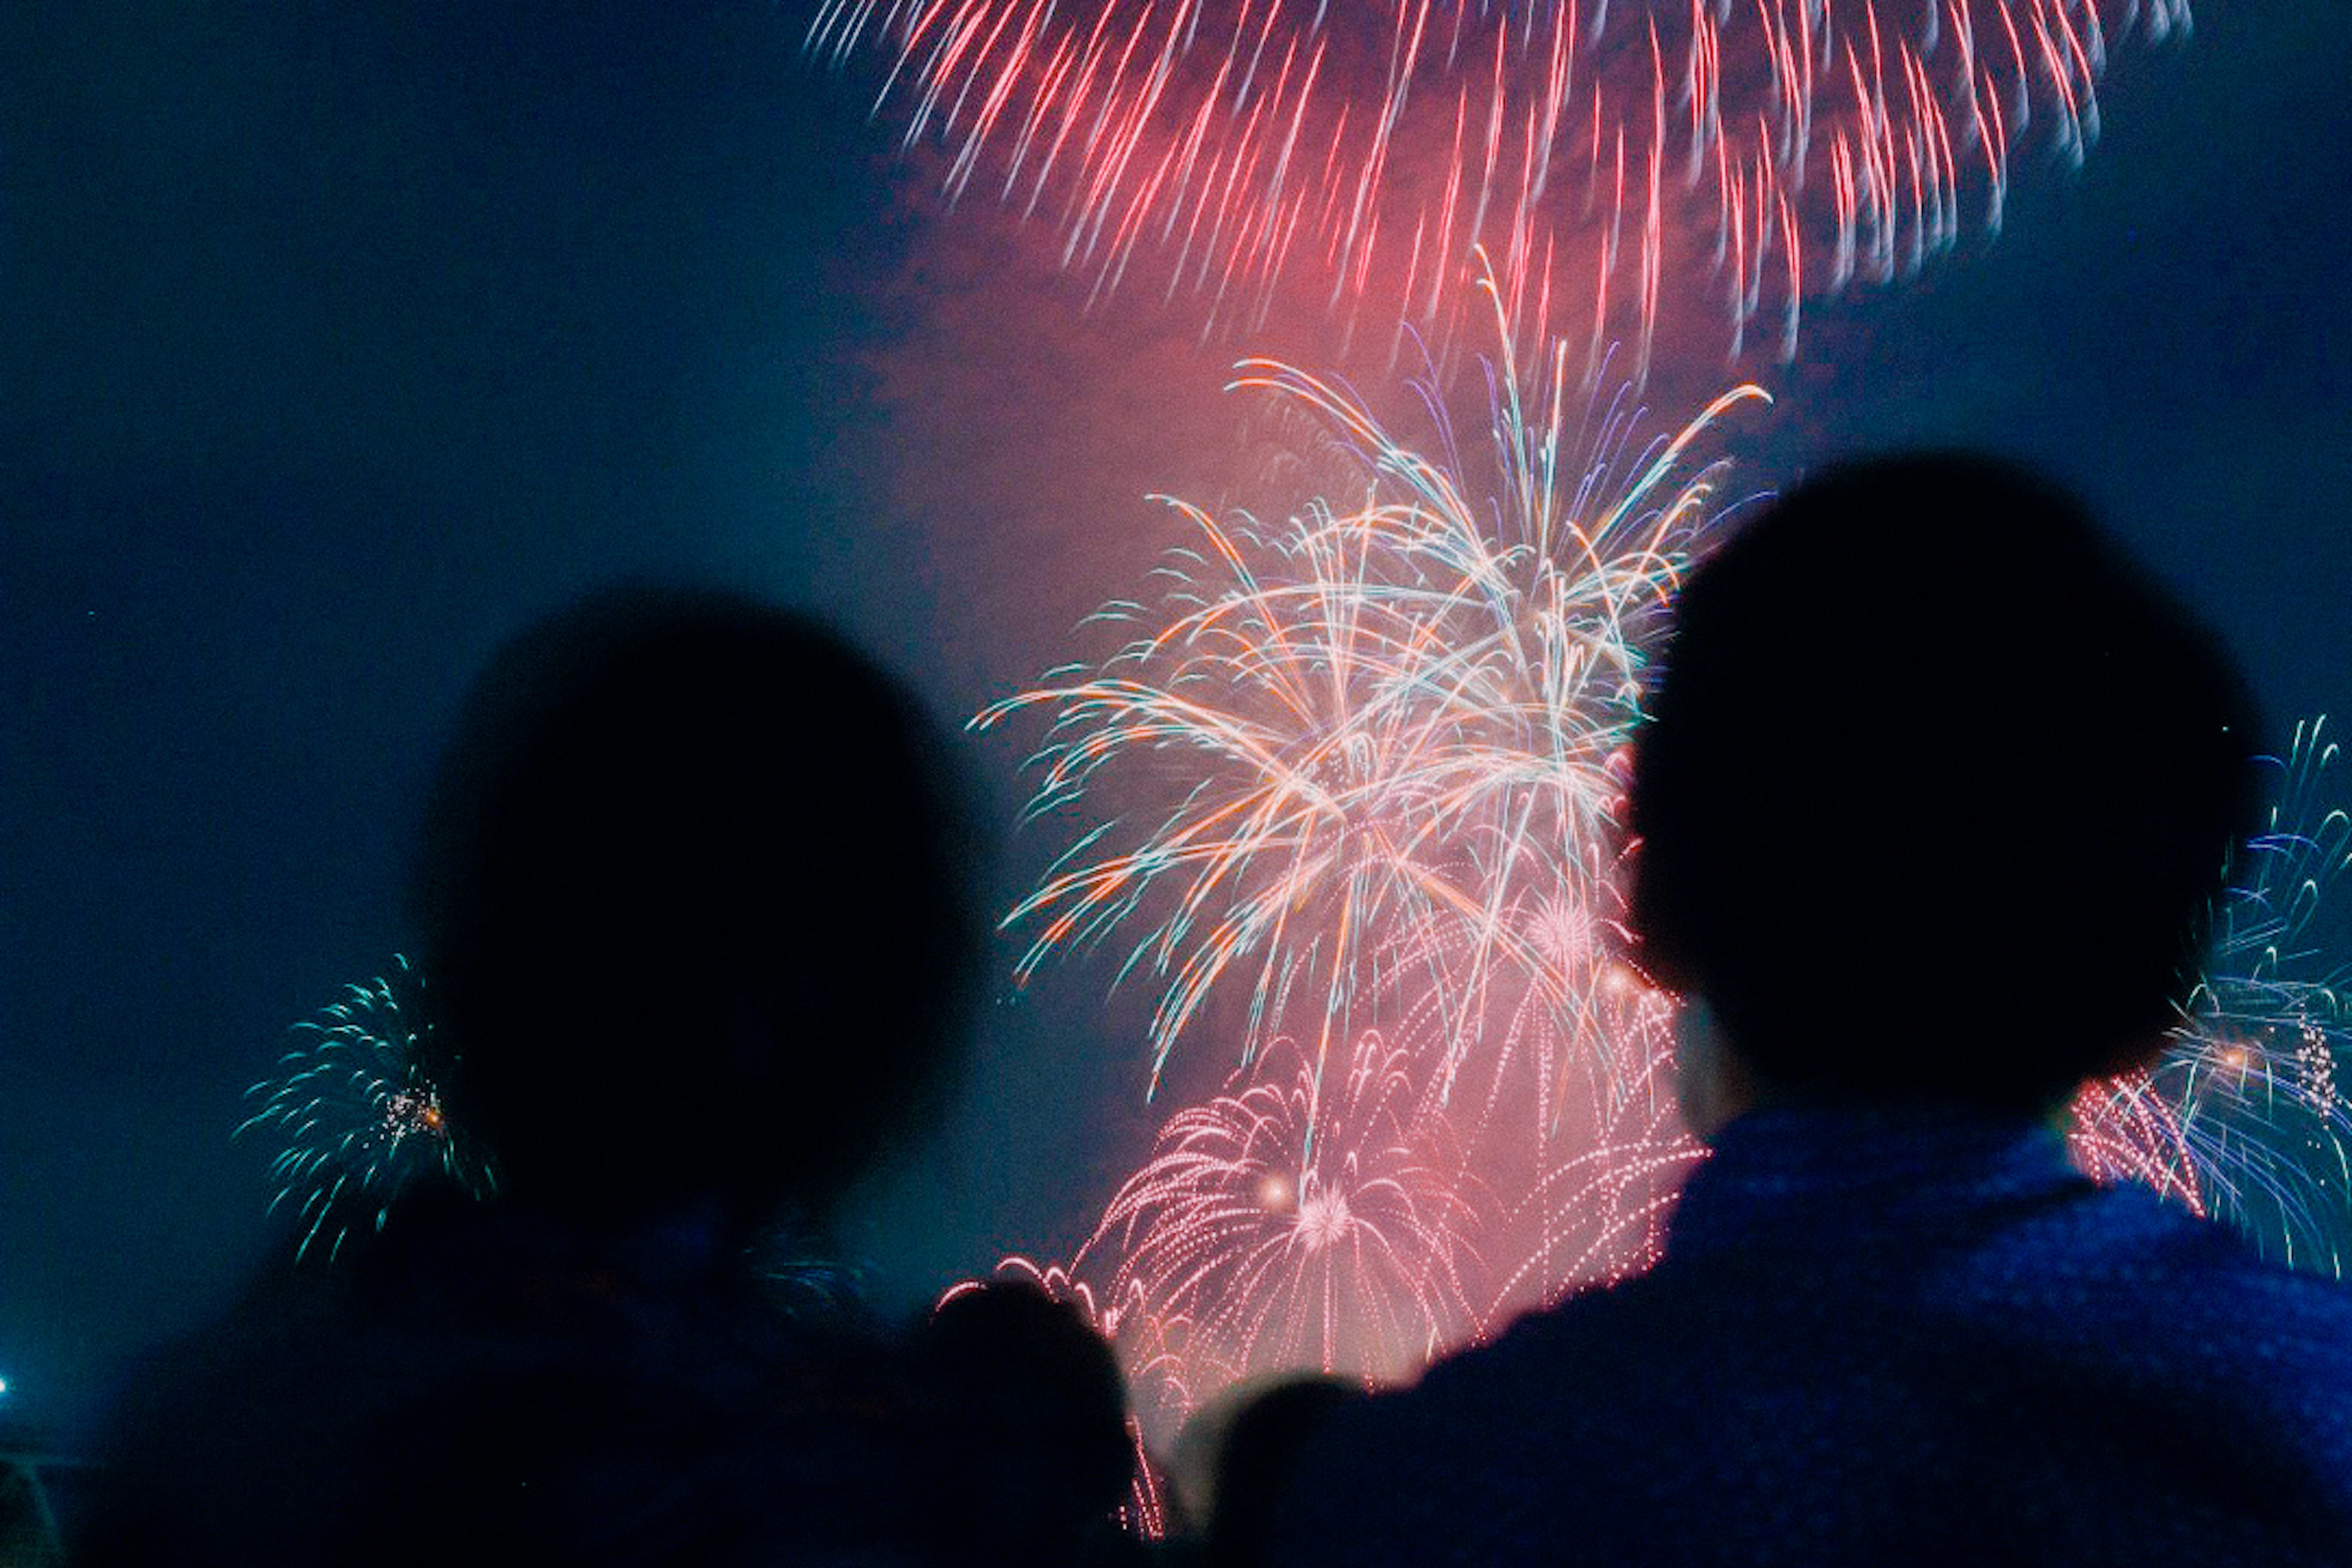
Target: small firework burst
{"type": "Point", "coordinates": [359, 1120]}
{"type": "Point", "coordinates": [2244, 1116]}
{"type": "Point", "coordinates": [803, 1275]}
{"type": "Point", "coordinates": [1301, 1220]}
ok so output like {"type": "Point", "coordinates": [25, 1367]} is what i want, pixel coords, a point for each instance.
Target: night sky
{"type": "Point", "coordinates": [341, 339]}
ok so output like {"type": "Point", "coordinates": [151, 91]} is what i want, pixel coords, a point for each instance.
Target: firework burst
{"type": "Point", "coordinates": [1751, 152]}
{"type": "Point", "coordinates": [1388, 739]}
{"type": "Point", "coordinates": [2244, 1115]}
{"type": "Point", "coordinates": [1390, 729]}
{"type": "Point", "coordinates": [1595, 1199]}
{"type": "Point", "coordinates": [1294, 1222]}
{"type": "Point", "coordinates": [357, 1121]}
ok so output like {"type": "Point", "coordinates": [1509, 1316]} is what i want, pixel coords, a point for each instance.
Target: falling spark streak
{"type": "Point", "coordinates": [1303, 135]}
{"type": "Point", "coordinates": [1597, 1208]}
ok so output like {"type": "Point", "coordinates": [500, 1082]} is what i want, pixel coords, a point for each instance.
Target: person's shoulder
{"type": "Point", "coordinates": [2142, 1289]}
{"type": "Point", "coordinates": [221, 1416]}
{"type": "Point", "coordinates": [2294, 1324]}
{"type": "Point", "coordinates": [1402, 1477]}
{"type": "Point", "coordinates": [2125, 1247]}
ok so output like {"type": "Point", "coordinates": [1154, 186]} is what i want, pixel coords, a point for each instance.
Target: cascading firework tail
{"type": "Point", "coordinates": [1592, 1206]}
{"type": "Point", "coordinates": [1140, 1338]}
{"type": "Point", "coordinates": [1611, 152]}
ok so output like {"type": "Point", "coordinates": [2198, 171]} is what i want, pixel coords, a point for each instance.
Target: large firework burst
{"type": "Point", "coordinates": [1389, 729]}
{"type": "Point", "coordinates": [1751, 152]}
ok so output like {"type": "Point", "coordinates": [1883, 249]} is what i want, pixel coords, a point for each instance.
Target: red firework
{"type": "Point", "coordinates": [1749, 149]}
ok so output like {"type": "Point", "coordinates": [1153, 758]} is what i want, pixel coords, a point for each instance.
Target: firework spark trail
{"type": "Point", "coordinates": [1148, 1343]}
{"type": "Point", "coordinates": [2125, 1129]}
{"type": "Point", "coordinates": [1596, 1208]}
{"type": "Point", "coordinates": [1290, 1223]}
{"type": "Point", "coordinates": [1402, 716]}
{"type": "Point", "coordinates": [1767, 146]}
{"type": "Point", "coordinates": [2244, 1115]}
{"type": "Point", "coordinates": [357, 1121]}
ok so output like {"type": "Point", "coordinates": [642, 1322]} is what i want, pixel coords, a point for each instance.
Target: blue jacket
{"type": "Point", "coordinates": [1875, 1338]}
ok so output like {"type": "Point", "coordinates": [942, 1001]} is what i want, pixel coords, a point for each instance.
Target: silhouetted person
{"type": "Point", "coordinates": [1255, 1452]}
{"type": "Point", "coordinates": [694, 895]}
{"type": "Point", "coordinates": [1033, 1402]}
{"type": "Point", "coordinates": [1933, 800]}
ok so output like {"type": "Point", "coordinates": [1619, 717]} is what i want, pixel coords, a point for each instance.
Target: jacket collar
{"type": "Point", "coordinates": [1843, 1177]}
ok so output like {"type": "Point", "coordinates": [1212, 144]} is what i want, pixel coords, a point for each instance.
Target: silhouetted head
{"type": "Point", "coordinates": [1033, 1398]}
{"type": "Point", "coordinates": [1937, 790]}
{"type": "Point", "coordinates": [695, 891]}
{"type": "Point", "coordinates": [1260, 1447]}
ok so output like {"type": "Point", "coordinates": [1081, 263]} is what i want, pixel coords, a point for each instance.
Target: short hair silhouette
{"type": "Point", "coordinates": [1032, 1398]}
{"type": "Point", "coordinates": [1258, 1458]}
{"type": "Point", "coordinates": [697, 908]}
{"type": "Point", "coordinates": [1937, 791]}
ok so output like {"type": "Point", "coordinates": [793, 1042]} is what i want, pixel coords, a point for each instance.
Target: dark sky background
{"type": "Point", "coordinates": [339, 338]}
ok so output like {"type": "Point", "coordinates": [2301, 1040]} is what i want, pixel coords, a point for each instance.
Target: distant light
{"type": "Point", "coordinates": [3, 1387]}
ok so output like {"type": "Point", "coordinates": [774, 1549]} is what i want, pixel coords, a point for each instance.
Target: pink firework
{"type": "Point", "coordinates": [1291, 1225]}
{"type": "Point", "coordinates": [1608, 154]}
{"type": "Point", "coordinates": [2125, 1129]}
{"type": "Point", "coordinates": [1593, 1207]}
